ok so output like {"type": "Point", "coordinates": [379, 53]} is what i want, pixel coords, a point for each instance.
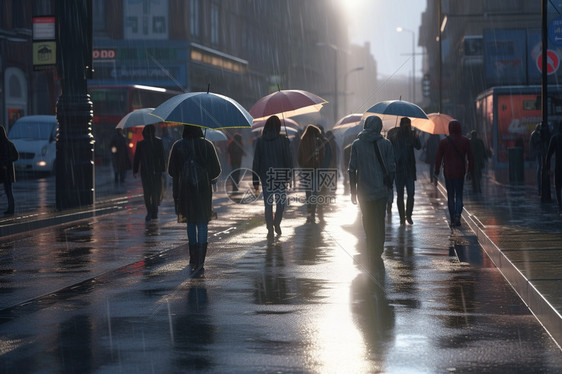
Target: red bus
{"type": "Point", "coordinates": [508, 114]}
{"type": "Point", "coordinates": [111, 103]}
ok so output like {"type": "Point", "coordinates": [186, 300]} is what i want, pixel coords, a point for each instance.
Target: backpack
{"type": "Point", "coordinates": [193, 176]}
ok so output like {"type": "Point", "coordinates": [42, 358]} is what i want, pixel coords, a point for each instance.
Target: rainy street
{"type": "Point", "coordinates": [115, 294]}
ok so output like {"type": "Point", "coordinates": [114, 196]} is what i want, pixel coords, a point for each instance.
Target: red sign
{"type": "Point", "coordinates": [552, 62]}
{"type": "Point", "coordinates": [103, 54]}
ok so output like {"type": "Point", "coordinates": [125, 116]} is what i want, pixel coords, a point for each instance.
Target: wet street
{"type": "Point", "coordinates": [113, 294]}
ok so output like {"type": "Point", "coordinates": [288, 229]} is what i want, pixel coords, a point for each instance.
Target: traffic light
{"type": "Point", "coordinates": [426, 86]}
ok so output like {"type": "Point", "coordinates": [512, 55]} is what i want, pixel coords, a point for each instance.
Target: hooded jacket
{"type": "Point", "coordinates": [454, 163]}
{"type": "Point", "coordinates": [365, 169]}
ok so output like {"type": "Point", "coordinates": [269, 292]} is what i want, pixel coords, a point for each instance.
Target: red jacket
{"type": "Point", "coordinates": [454, 167]}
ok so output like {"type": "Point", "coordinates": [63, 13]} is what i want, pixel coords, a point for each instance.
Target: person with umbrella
{"type": "Point", "coordinates": [367, 182]}
{"type": "Point", "coordinates": [119, 156]}
{"type": "Point", "coordinates": [480, 157]}
{"type": "Point", "coordinates": [149, 155]}
{"type": "Point", "coordinates": [404, 142]}
{"type": "Point", "coordinates": [273, 165]}
{"type": "Point", "coordinates": [193, 165]}
{"type": "Point", "coordinates": [454, 151]}
{"type": "Point", "coordinates": [235, 153]}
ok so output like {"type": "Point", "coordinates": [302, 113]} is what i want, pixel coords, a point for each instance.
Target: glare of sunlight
{"type": "Point", "coordinates": [352, 6]}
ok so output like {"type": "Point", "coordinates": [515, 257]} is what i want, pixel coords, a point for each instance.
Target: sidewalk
{"type": "Point", "coordinates": [521, 235]}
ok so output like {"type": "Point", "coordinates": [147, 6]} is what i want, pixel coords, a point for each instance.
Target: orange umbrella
{"type": "Point", "coordinates": [438, 124]}
{"type": "Point", "coordinates": [287, 103]}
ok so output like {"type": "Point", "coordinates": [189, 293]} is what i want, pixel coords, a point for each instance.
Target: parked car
{"type": "Point", "coordinates": [35, 140]}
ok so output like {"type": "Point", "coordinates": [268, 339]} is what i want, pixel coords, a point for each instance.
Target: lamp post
{"type": "Point", "coordinates": [336, 50]}
{"type": "Point", "coordinates": [359, 68]}
{"type": "Point", "coordinates": [400, 29]}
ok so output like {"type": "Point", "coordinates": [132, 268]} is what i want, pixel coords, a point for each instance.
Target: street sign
{"type": "Point", "coordinates": [555, 31]}
{"type": "Point", "coordinates": [552, 62]}
{"type": "Point", "coordinates": [44, 28]}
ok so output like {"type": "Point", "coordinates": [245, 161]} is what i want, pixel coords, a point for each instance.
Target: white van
{"type": "Point", "coordinates": [35, 140]}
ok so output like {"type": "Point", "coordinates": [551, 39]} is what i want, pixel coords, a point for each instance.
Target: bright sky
{"type": "Point", "coordinates": [376, 21]}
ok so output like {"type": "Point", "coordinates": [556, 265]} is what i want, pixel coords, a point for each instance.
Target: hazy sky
{"type": "Point", "coordinates": [376, 21]}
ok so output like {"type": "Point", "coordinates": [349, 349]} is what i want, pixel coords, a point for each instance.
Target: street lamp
{"type": "Point", "coordinates": [336, 50]}
{"type": "Point", "coordinates": [400, 29]}
{"type": "Point", "coordinates": [359, 68]}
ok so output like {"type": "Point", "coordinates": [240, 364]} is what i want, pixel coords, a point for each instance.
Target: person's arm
{"type": "Point", "coordinates": [439, 157]}
{"type": "Point", "coordinates": [136, 158]}
{"type": "Point", "coordinates": [256, 167]}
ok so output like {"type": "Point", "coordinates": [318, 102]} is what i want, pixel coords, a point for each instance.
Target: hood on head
{"type": "Point", "coordinates": [373, 123]}
{"type": "Point", "coordinates": [455, 127]}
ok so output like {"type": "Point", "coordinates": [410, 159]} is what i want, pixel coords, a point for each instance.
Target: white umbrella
{"type": "Point", "coordinates": [138, 118]}
{"type": "Point", "coordinates": [215, 135]}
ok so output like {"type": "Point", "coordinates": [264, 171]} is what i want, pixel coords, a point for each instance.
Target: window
{"type": "Point", "coordinates": [194, 18]}
{"type": "Point", "coordinates": [98, 16]}
{"type": "Point", "coordinates": [214, 24]}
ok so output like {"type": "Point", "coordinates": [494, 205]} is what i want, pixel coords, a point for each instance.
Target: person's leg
{"type": "Point", "coordinates": [458, 188]}
{"type": "Point", "coordinates": [411, 191]}
{"type": "Point", "coordinates": [193, 245]}
{"type": "Point", "coordinates": [400, 200]}
{"type": "Point", "coordinates": [10, 195]}
{"type": "Point", "coordinates": [367, 218]}
{"type": "Point", "coordinates": [147, 198]}
{"type": "Point", "coordinates": [379, 228]}
{"type": "Point", "coordinates": [268, 199]}
{"type": "Point", "coordinates": [280, 202]}
{"type": "Point", "coordinates": [539, 172]}
{"type": "Point", "coordinates": [450, 199]}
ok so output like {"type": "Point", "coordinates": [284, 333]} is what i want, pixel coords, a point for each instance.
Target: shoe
{"type": "Point", "coordinates": [409, 219]}
{"type": "Point", "coordinates": [278, 229]}
{"type": "Point", "coordinates": [458, 223]}
{"type": "Point", "coordinates": [402, 221]}
{"type": "Point", "coordinates": [389, 208]}
{"type": "Point", "coordinates": [270, 235]}
{"type": "Point", "coordinates": [147, 218]}
{"type": "Point", "coordinates": [9, 213]}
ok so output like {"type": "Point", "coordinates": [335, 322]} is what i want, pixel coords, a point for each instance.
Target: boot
{"type": "Point", "coordinates": [193, 256]}
{"type": "Point", "coordinates": [202, 255]}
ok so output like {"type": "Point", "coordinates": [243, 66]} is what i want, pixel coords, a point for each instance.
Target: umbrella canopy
{"type": "Point", "coordinates": [137, 118]}
{"type": "Point", "coordinates": [438, 124]}
{"type": "Point", "coordinates": [204, 109]}
{"type": "Point", "coordinates": [287, 125]}
{"type": "Point", "coordinates": [287, 103]}
{"type": "Point", "coordinates": [215, 135]}
{"type": "Point", "coordinates": [397, 108]}
{"type": "Point", "coordinates": [349, 120]}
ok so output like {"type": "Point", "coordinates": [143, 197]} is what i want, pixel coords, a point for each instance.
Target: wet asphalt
{"type": "Point", "coordinates": [111, 293]}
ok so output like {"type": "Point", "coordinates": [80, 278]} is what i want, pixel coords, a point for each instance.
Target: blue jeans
{"type": "Point", "coordinates": [454, 197]}
{"type": "Point", "coordinates": [279, 197]}
{"type": "Point", "coordinates": [197, 233]}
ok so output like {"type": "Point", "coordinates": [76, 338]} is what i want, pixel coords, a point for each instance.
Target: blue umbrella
{"type": "Point", "coordinates": [397, 108]}
{"type": "Point", "coordinates": [204, 109]}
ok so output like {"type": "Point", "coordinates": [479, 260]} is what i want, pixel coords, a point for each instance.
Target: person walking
{"type": "Point", "coordinates": [8, 154]}
{"type": "Point", "coordinates": [538, 145]}
{"type": "Point", "coordinates": [119, 156]}
{"type": "Point", "coordinates": [404, 143]}
{"type": "Point", "coordinates": [235, 153]}
{"type": "Point", "coordinates": [310, 156]}
{"type": "Point", "coordinates": [555, 146]}
{"type": "Point", "coordinates": [149, 155]}
{"type": "Point", "coordinates": [431, 145]}
{"type": "Point", "coordinates": [272, 166]}
{"type": "Point", "coordinates": [193, 165]}
{"type": "Point", "coordinates": [367, 182]}
{"type": "Point", "coordinates": [479, 157]}
{"type": "Point", "coordinates": [454, 152]}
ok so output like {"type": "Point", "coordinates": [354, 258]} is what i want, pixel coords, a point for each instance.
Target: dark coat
{"type": "Point", "coordinates": [404, 142]}
{"type": "Point", "coordinates": [149, 155]}
{"type": "Point", "coordinates": [272, 151]}
{"type": "Point", "coordinates": [199, 206]}
{"type": "Point", "coordinates": [119, 153]}
{"type": "Point", "coordinates": [8, 154]}
{"type": "Point", "coordinates": [454, 165]}
{"type": "Point", "coordinates": [555, 146]}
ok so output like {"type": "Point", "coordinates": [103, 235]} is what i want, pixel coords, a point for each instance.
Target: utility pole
{"type": "Point", "coordinates": [75, 142]}
{"type": "Point", "coordinates": [545, 177]}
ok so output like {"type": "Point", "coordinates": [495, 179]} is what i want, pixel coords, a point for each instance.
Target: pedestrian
{"type": "Point", "coordinates": [272, 166]}
{"type": "Point", "coordinates": [235, 153]}
{"type": "Point", "coordinates": [168, 141]}
{"type": "Point", "coordinates": [8, 154]}
{"type": "Point", "coordinates": [538, 146]}
{"type": "Point", "coordinates": [555, 146]}
{"type": "Point", "coordinates": [479, 158]}
{"type": "Point", "coordinates": [431, 145]}
{"type": "Point", "coordinates": [310, 156]}
{"type": "Point", "coordinates": [369, 184]}
{"type": "Point", "coordinates": [404, 143]}
{"type": "Point", "coordinates": [454, 152]}
{"type": "Point", "coordinates": [119, 156]}
{"type": "Point", "coordinates": [193, 165]}
{"type": "Point", "coordinates": [149, 155]}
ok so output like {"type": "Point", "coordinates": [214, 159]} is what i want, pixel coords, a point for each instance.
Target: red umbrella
{"type": "Point", "coordinates": [286, 103]}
